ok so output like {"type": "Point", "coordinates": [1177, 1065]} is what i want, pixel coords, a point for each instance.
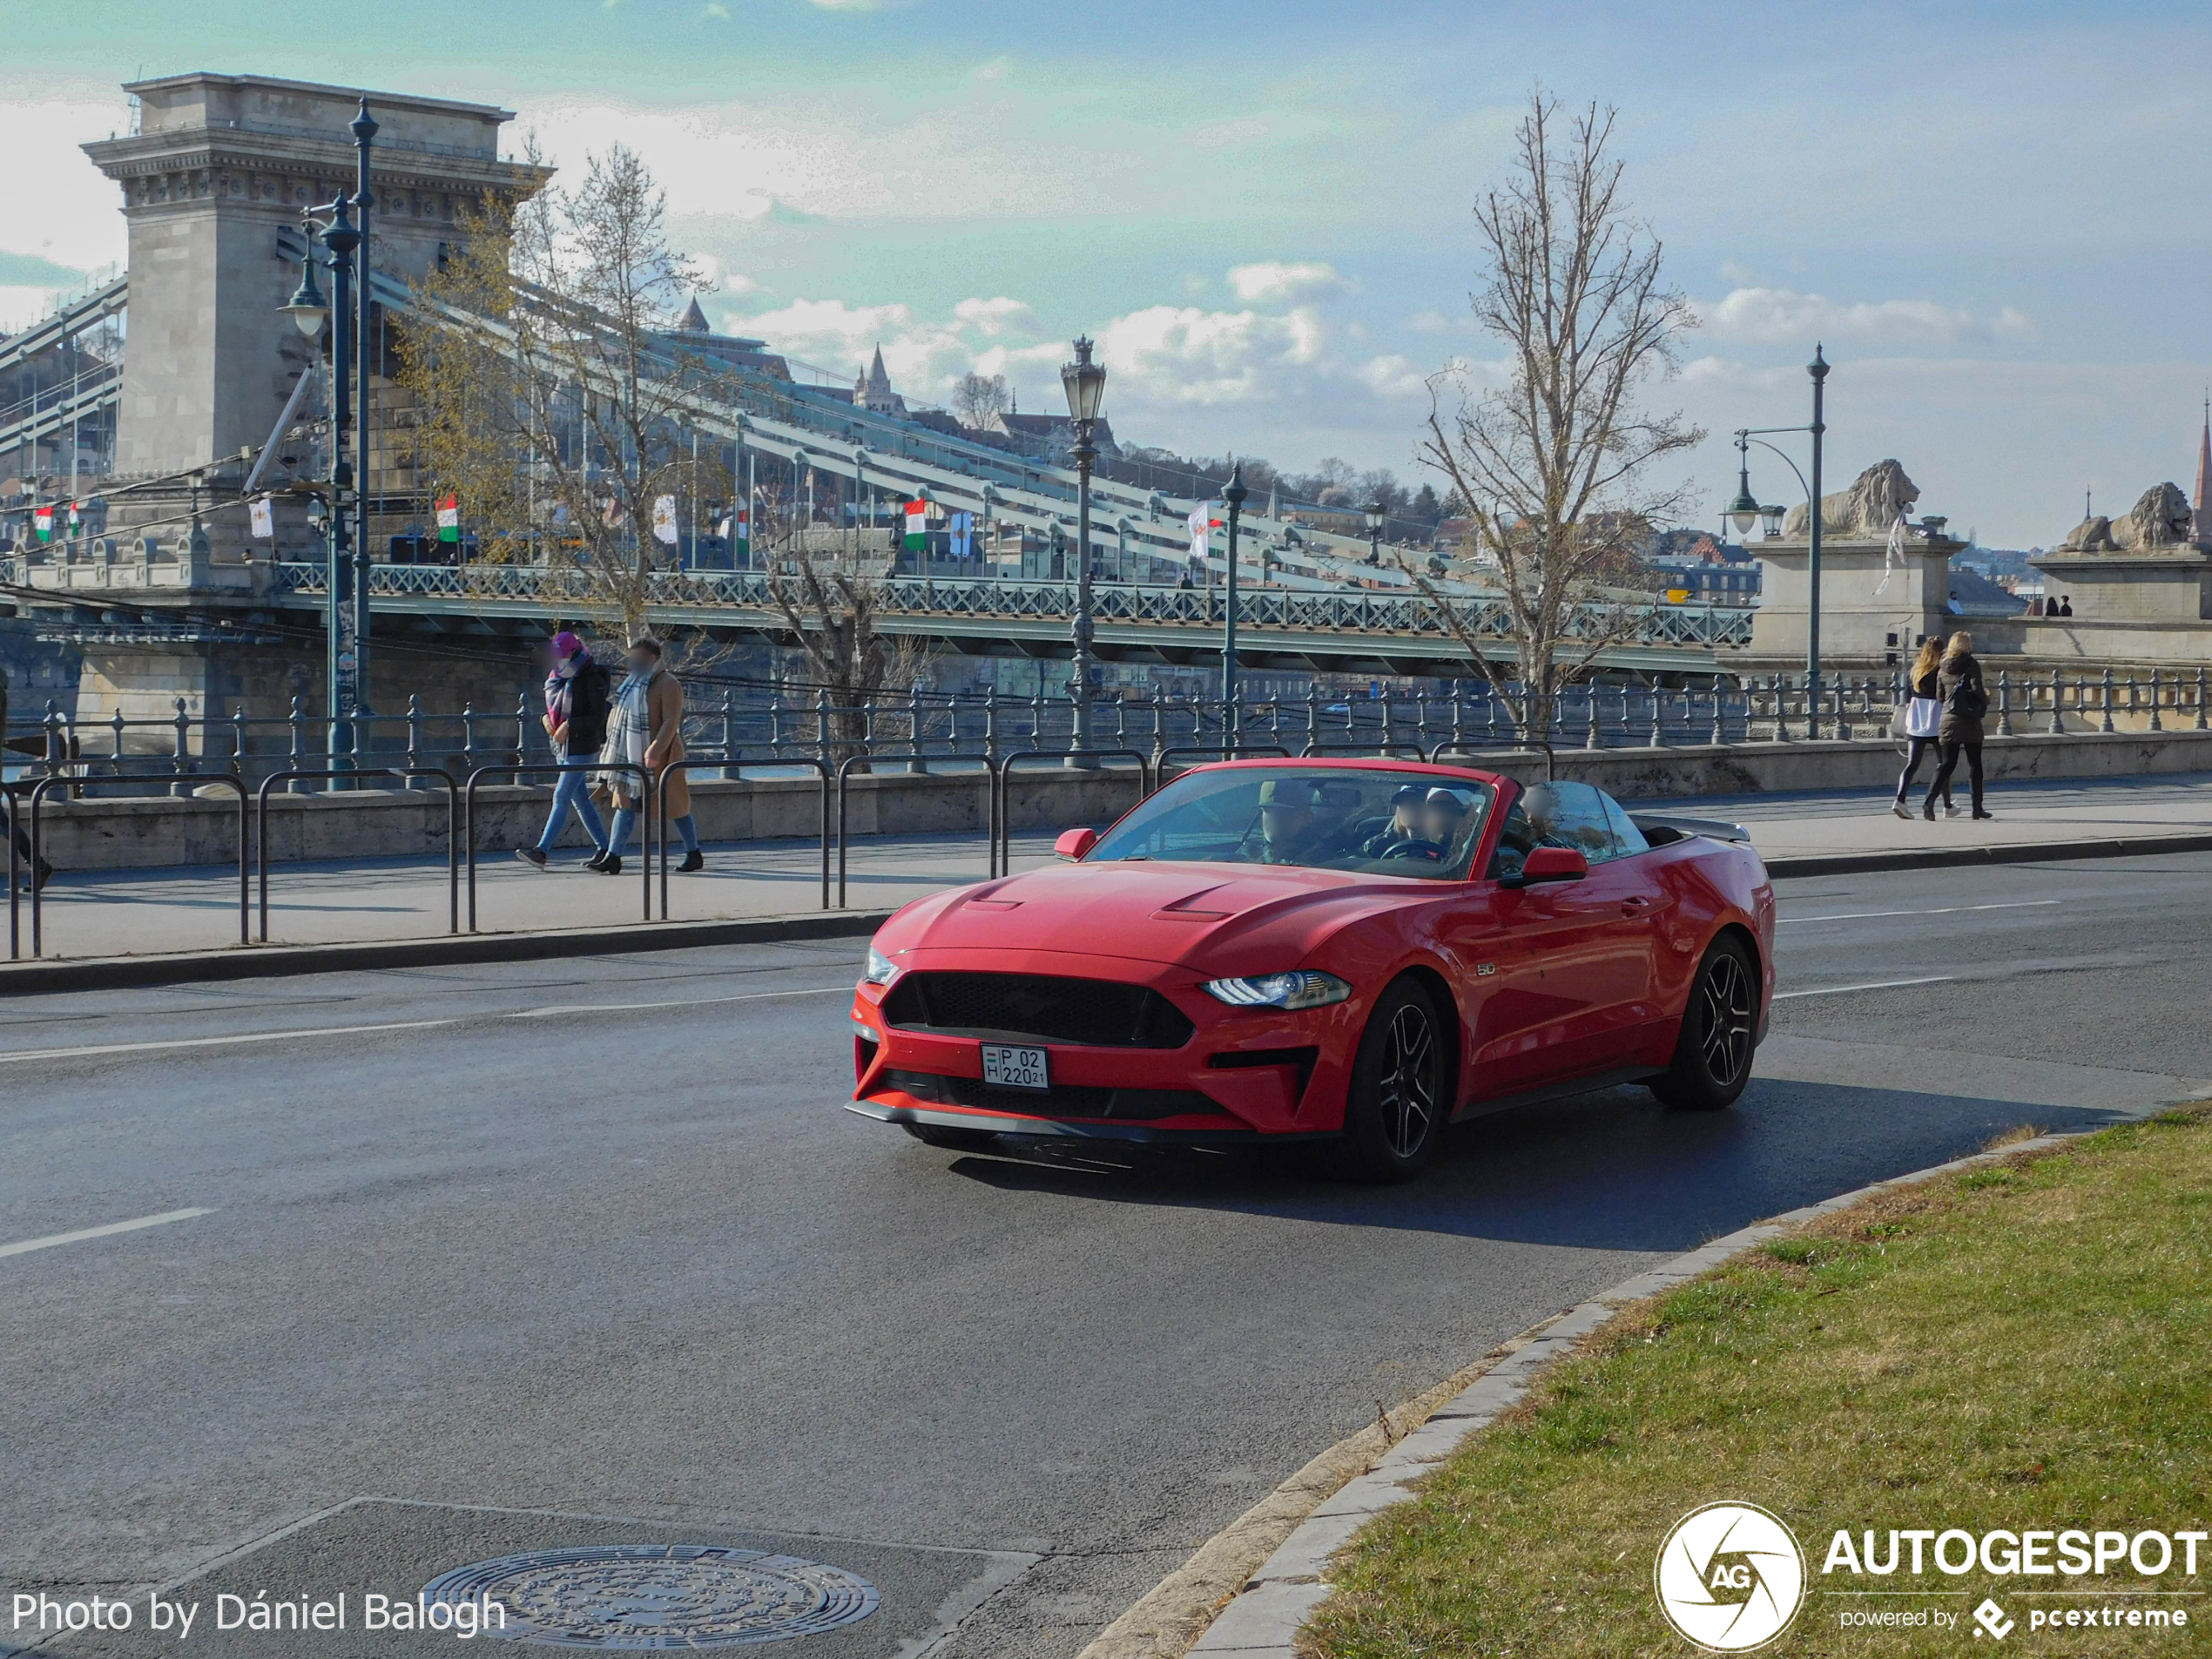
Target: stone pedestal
{"type": "Point", "coordinates": [1859, 625]}
{"type": "Point", "coordinates": [2165, 584]}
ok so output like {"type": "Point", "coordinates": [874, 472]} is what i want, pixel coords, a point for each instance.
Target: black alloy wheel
{"type": "Point", "coordinates": [1719, 1031]}
{"type": "Point", "coordinates": [1399, 1096]}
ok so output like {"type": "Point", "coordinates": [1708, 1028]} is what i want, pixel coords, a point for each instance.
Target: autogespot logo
{"type": "Point", "coordinates": [1729, 1577]}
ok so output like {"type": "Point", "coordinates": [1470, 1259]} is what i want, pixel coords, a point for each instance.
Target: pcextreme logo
{"type": "Point", "coordinates": [1729, 1577]}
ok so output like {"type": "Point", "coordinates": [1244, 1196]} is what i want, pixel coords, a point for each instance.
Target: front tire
{"type": "Point", "coordinates": [1719, 1032]}
{"type": "Point", "coordinates": [1395, 1108]}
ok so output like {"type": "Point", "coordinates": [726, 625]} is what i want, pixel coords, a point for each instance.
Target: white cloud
{"type": "Point", "coordinates": [1274, 282]}
{"type": "Point", "coordinates": [1782, 316]}
{"type": "Point", "coordinates": [1429, 321]}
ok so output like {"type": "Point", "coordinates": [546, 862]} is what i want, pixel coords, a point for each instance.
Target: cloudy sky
{"type": "Point", "coordinates": [1993, 214]}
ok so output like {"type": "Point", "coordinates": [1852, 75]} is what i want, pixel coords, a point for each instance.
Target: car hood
{"type": "Point", "coordinates": [1234, 918]}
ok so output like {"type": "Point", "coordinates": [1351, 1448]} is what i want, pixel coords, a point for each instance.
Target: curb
{"type": "Point", "coordinates": [265, 962]}
{"type": "Point", "coordinates": [1935, 858]}
{"type": "Point", "coordinates": [1259, 1614]}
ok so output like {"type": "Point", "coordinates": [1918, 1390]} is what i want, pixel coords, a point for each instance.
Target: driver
{"type": "Point", "coordinates": [1289, 831]}
{"type": "Point", "coordinates": [1441, 815]}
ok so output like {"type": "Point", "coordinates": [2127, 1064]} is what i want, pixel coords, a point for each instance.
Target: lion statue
{"type": "Point", "coordinates": [2161, 518]}
{"type": "Point", "coordinates": [1866, 511]}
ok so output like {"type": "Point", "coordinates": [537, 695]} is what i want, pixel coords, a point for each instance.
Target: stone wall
{"type": "Point", "coordinates": [156, 832]}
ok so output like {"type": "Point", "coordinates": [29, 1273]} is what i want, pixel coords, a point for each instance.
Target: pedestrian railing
{"type": "Point", "coordinates": [1000, 829]}
{"type": "Point", "coordinates": [731, 767]}
{"type": "Point", "coordinates": [35, 839]}
{"type": "Point", "coordinates": [290, 777]}
{"type": "Point", "coordinates": [646, 821]}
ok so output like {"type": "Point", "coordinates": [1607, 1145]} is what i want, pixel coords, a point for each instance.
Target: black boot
{"type": "Point", "coordinates": [609, 865]}
{"type": "Point", "coordinates": [694, 862]}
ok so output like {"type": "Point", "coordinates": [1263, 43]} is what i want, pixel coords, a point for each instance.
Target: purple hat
{"type": "Point", "coordinates": [566, 644]}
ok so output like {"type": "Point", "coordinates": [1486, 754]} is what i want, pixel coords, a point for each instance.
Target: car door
{"type": "Point", "coordinates": [1572, 959]}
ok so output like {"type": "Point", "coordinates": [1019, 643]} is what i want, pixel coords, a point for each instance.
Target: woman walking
{"type": "Point", "coordinates": [1966, 699]}
{"type": "Point", "coordinates": [1922, 718]}
{"type": "Point", "coordinates": [576, 721]}
{"type": "Point", "coordinates": [647, 729]}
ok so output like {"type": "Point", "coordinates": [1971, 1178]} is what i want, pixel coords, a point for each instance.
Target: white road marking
{"type": "Point", "coordinates": [93, 1051]}
{"type": "Point", "coordinates": [52, 1239]}
{"type": "Point", "coordinates": [1878, 985]}
{"type": "Point", "coordinates": [1945, 910]}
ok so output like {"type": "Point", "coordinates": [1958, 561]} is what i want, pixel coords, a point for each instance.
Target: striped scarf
{"type": "Point", "coordinates": [629, 725]}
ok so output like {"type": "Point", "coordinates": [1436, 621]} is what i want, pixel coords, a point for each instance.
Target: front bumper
{"type": "Point", "coordinates": [1243, 1073]}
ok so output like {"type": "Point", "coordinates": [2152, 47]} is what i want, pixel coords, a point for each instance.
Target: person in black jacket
{"type": "Point", "coordinates": [1925, 693]}
{"type": "Point", "coordinates": [576, 720]}
{"type": "Point", "coordinates": [1966, 699]}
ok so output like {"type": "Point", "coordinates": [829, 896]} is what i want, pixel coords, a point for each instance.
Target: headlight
{"type": "Point", "coordinates": [880, 970]}
{"type": "Point", "coordinates": [1302, 987]}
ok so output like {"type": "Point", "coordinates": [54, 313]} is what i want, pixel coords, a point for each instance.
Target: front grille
{"type": "Point", "coordinates": [1033, 1008]}
{"type": "Point", "coordinates": [1143, 1105]}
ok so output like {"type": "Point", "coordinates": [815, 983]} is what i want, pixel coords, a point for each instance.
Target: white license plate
{"type": "Point", "coordinates": [1010, 1068]}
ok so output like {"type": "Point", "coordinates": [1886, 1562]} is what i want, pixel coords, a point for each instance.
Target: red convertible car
{"type": "Point", "coordinates": [1360, 950]}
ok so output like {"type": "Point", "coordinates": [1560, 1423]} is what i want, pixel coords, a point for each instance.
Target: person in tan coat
{"type": "Point", "coordinates": [646, 727]}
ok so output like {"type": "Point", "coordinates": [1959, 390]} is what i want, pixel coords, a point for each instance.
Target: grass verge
{"type": "Point", "coordinates": [2027, 1344]}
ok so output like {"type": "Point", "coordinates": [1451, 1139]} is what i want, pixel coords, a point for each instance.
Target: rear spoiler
{"type": "Point", "coordinates": [1671, 826]}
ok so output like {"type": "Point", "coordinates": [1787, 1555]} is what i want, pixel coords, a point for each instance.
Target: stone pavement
{"type": "Point", "coordinates": [113, 913]}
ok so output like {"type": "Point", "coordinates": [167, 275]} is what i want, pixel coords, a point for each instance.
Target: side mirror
{"type": "Point", "coordinates": [1073, 844]}
{"type": "Point", "coordinates": [1551, 864]}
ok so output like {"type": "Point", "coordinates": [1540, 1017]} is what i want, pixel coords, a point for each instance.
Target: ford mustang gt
{"type": "Point", "coordinates": [1360, 951]}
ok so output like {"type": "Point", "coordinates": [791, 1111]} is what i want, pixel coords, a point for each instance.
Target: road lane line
{"type": "Point", "coordinates": [1945, 910]}
{"type": "Point", "coordinates": [52, 1239]}
{"type": "Point", "coordinates": [673, 1002]}
{"type": "Point", "coordinates": [1878, 985]}
{"type": "Point", "coordinates": [94, 1051]}
{"type": "Point", "coordinates": [13, 1056]}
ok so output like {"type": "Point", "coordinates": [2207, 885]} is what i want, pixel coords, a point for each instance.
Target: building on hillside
{"type": "Point", "coordinates": [872, 391]}
{"type": "Point", "coordinates": [693, 337]}
{"type": "Point", "coordinates": [1049, 437]}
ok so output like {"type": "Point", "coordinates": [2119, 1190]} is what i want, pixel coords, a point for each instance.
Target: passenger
{"type": "Point", "coordinates": [1442, 813]}
{"type": "Point", "coordinates": [1404, 826]}
{"type": "Point", "coordinates": [1288, 832]}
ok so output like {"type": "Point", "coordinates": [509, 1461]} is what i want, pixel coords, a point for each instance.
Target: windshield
{"type": "Point", "coordinates": [1378, 821]}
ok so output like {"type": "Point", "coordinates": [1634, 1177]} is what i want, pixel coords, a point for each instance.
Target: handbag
{"type": "Point", "coordinates": [1922, 717]}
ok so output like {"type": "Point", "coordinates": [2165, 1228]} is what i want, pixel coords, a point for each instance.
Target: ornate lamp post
{"type": "Point", "coordinates": [1233, 493]}
{"type": "Point", "coordinates": [363, 127]}
{"type": "Point", "coordinates": [1376, 514]}
{"type": "Point", "coordinates": [305, 308]}
{"type": "Point", "coordinates": [1085, 384]}
{"type": "Point", "coordinates": [1744, 508]}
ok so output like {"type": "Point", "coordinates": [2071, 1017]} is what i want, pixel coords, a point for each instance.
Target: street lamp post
{"type": "Point", "coordinates": [1085, 384]}
{"type": "Point", "coordinates": [1233, 493]}
{"type": "Point", "coordinates": [1376, 514]}
{"type": "Point", "coordinates": [364, 130]}
{"type": "Point", "coordinates": [305, 308]}
{"type": "Point", "coordinates": [1745, 508]}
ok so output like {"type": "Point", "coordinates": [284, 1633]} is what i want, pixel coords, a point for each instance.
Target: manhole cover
{"type": "Point", "coordinates": [650, 1596]}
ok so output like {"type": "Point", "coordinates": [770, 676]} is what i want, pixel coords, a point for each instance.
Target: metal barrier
{"type": "Point", "coordinates": [38, 793]}
{"type": "Point", "coordinates": [1207, 756]}
{"type": "Point", "coordinates": [1382, 749]}
{"type": "Point", "coordinates": [645, 801]}
{"type": "Point", "coordinates": [1001, 827]}
{"type": "Point", "coordinates": [821, 771]}
{"type": "Point", "coordinates": [844, 770]}
{"type": "Point", "coordinates": [261, 831]}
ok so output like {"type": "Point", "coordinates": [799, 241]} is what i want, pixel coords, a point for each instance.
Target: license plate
{"type": "Point", "coordinates": [1010, 1068]}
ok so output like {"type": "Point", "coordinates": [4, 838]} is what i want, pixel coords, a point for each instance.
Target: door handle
{"type": "Point", "coordinates": [1629, 906]}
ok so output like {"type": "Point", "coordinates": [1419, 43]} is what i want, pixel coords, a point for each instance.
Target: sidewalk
{"type": "Point", "coordinates": [119, 912]}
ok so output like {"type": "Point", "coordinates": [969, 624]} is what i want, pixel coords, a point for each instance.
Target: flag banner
{"type": "Point", "coordinates": [962, 526]}
{"type": "Point", "coordinates": [449, 518]}
{"type": "Point", "coordinates": [1203, 523]}
{"type": "Point", "coordinates": [1893, 554]}
{"type": "Point", "coordinates": [917, 526]}
{"type": "Point", "coordinates": [560, 515]}
{"type": "Point", "coordinates": [743, 531]}
{"type": "Point", "coordinates": [260, 518]}
{"type": "Point", "coordinates": [664, 519]}
{"type": "Point", "coordinates": [76, 523]}
{"type": "Point", "coordinates": [42, 519]}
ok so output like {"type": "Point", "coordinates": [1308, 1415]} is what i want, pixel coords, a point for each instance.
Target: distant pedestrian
{"type": "Point", "coordinates": [1966, 699]}
{"type": "Point", "coordinates": [1922, 716]}
{"type": "Point", "coordinates": [647, 729]}
{"type": "Point", "coordinates": [2065, 605]}
{"type": "Point", "coordinates": [576, 721]}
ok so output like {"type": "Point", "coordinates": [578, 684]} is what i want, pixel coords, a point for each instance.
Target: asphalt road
{"type": "Point", "coordinates": [510, 1257]}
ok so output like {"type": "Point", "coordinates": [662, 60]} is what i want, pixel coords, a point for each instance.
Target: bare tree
{"type": "Point", "coordinates": [976, 397]}
{"type": "Point", "coordinates": [1551, 465]}
{"type": "Point", "coordinates": [553, 396]}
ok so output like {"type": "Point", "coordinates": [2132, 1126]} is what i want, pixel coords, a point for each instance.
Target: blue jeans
{"type": "Point", "coordinates": [572, 789]}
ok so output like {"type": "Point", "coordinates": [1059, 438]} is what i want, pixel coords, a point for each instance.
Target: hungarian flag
{"type": "Point", "coordinates": [917, 526]}
{"type": "Point", "coordinates": [1203, 523]}
{"type": "Point", "coordinates": [741, 532]}
{"type": "Point", "coordinates": [260, 518]}
{"type": "Point", "coordinates": [76, 523]}
{"type": "Point", "coordinates": [449, 518]}
{"type": "Point", "coordinates": [42, 519]}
